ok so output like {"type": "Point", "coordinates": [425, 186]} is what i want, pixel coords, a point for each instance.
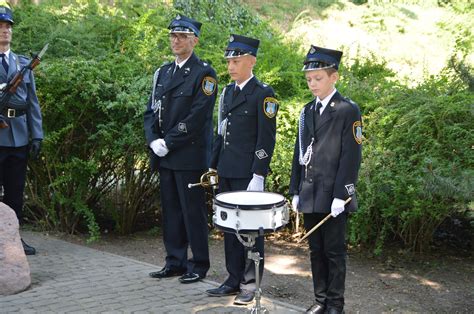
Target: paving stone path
{"type": "Point", "coordinates": [71, 278]}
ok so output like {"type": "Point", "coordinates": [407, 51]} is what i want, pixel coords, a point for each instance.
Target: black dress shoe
{"type": "Point", "coordinates": [29, 250]}
{"type": "Point", "coordinates": [244, 297]}
{"type": "Point", "coordinates": [333, 310]}
{"type": "Point", "coordinates": [222, 291]}
{"type": "Point", "coordinates": [190, 278]}
{"type": "Point", "coordinates": [316, 308]}
{"type": "Point", "coordinates": [166, 273]}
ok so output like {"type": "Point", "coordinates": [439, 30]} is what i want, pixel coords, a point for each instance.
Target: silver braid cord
{"type": "Point", "coordinates": [304, 158]}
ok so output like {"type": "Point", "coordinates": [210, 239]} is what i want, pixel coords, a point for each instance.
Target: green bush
{"type": "Point", "coordinates": [95, 81]}
{"type": "Point", "coordinates": [417, 164]}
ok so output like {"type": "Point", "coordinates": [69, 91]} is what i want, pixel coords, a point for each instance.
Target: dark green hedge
{"type": "Point", "coordinates": [95, 81]}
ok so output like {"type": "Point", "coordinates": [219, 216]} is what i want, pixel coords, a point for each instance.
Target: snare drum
{"type": "Point", "coordinates": [248, 211]}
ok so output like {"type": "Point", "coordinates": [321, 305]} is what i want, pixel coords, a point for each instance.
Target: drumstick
{"type": "Point", "coordinates": [320, 223]}
{"type": "Point", "coordinates": [297, 227]}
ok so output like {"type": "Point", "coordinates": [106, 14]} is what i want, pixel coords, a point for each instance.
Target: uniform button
{"type": "Point", "coordinates": [310, 167]}
{"type": "Point", "coordinates": [228, 123]}
{"type": "Point", "coordinates": [310, 180]}
{"type": "Point", "coordinates": [230, 113]}
{"type": "Point", "coordinates": [181, 93]}
{"type": "Point", "coordinates": [246, 111]}
{"type": "Point", "coordinates": [227, 143]}
{"type": "Point", "coordinates": [163, 96]}
{"type": "Point", "coordinates": [228, 133]}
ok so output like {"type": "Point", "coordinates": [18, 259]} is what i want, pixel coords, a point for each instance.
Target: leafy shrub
{"type": "Point", "coordinates": [95, 81]}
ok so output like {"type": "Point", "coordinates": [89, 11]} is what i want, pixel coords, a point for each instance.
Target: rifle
{"type": "Point", "coordinates": [8, 90]}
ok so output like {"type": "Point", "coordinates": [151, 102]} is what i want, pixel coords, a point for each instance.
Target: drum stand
{"type": "Point", "coordinates": [255, 256]}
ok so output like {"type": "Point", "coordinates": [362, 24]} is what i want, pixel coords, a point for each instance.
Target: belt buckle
{"type": "Point", "coordinates": [11, 113]}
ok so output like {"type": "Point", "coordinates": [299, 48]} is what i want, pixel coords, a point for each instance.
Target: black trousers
{"type": "Point", "coordinates": [328, 258]}
{"type": "Point", "coordinates": [184, 221]}
{"type": "Point", "coordinates": [13, 162]}
{"type": "Point", "coordinates": [241, 269]}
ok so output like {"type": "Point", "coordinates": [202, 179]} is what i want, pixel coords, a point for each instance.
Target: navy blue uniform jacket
{"type": "Point", "coordinates": [187, 101]}
{"type": "Point", "coordinates": [249, 139]}
{"type": "Point", "coordinates": [333, 169]}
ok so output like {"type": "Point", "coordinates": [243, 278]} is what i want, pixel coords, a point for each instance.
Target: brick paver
{"type": "Point", "coordinates": [75, 279]}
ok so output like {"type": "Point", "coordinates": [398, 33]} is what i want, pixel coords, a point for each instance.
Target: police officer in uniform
{"type": "Point", "coordinates": [242, 152]}
{"type": "Point", "coordinates": [325, 167]}
{"type": "Point", "coordinates": [178, 130]}
{"type": "Point", "coordinates": [21, 130]}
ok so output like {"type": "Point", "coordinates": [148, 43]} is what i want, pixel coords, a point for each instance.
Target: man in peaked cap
{"type": "Point", "coordinates": [178, 130]}
{"type": "Point", "coordinates": [324, 173]}
{"type": "Point", "coordinates": [242, 152]}
{"type": "Point", "coordinates": [21, 130]}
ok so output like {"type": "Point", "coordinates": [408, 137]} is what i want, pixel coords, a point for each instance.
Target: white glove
{"type": "Point", "coordinates": [212, 179]}
{"type": "Point", "coordinates": [337, 207]}
{"type": "Point", "coordinates": [159, 147]}
{"type": "Point", "coordinates": [154, 145]}
{"type": "Point", "coordinates": [294, 203]}
{"type": "Point", "coordinates": [256, 184]}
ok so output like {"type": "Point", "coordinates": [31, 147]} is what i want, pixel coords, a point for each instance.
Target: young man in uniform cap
{"type": "Point", "coordinates": [326, 162]}
{"type": "Point", "coordinates": [178, 130]}
{"type": "Point", "coordinates": [21, 130]}
{"type": "Point", "coordinates": [242, 152]}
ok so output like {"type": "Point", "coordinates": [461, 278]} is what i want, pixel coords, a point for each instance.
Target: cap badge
{"type": "Point", "coordinates": [178, 17]}
{"type": "Point", "coordinates": [312, 50]}
{"type": "Point", "coordinates": [231, 39]}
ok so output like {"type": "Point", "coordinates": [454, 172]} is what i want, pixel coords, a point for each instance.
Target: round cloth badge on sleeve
{"type": "Point", "coordinates": [209, 85]}
{"type": "Point", "coordinates": [270, 107]}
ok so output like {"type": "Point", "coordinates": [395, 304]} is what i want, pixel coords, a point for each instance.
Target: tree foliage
{"type": "Point", "coordinates": [95, 81]}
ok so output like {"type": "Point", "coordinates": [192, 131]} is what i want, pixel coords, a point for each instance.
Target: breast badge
{"type": "Point", "coordinates": [209, 85]}
{"type": "Point", "coordinates": [270, 107]}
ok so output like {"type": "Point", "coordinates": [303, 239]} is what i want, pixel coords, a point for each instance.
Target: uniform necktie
{"type": "Point", "coordinates": [176, 69]}
{"type": "Point", "coordinates": [236, 92]}
{"type": "Point", "coordinates": [316, 114]}
{"type": "Point", "coordinates": [4, 62]}
{"type": "Point", "coordinates": [319, 105]}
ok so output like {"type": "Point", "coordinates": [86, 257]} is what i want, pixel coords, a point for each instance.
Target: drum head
{"type": "Point", "coordinates": [249, 200]}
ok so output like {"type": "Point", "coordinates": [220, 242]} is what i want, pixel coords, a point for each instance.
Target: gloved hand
{"type": "Point", "coordinates": [337, 207]}
{"type": "Point", "coordinates": [159, 147]}
{"type": "Point", "coordinates": [162, 149]}
{"type": "Point", "coordinates": [213, 179]}
{"type": "Point", "coordinates": [35, 148]}
{"type": "Point", "coordinates": [294, 203]}
{"type": "Point", "coordinates": [256, 184]}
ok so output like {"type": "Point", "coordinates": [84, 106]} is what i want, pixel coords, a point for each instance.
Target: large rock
{"type": "Point", "coordinates": [14, 267]}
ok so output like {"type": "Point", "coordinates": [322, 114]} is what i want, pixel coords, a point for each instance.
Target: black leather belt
{"type": "Point", "coordinates": [12, 113]}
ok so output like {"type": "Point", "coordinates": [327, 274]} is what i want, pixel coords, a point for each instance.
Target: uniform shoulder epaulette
{"type": "Point", "coordinates": [204, 64]}
{"type": "Point", "coordinates": [166, 63]}
{"type": "Point", "coordinates": [262, 85]}
{"type": "Point", "coordinates": [24, 58]}
{"type": "Point", "coordinates": [350, 101]}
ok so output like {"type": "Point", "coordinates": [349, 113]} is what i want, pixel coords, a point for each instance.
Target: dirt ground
{"type": "Point", "coordinates": [401, 283]}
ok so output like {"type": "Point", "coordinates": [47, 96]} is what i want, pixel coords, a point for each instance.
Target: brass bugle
{"type": "Point", "coordinates": [206, 180]}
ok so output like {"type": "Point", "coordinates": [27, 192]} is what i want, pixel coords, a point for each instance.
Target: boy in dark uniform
{"type": "Point", "coordinates": [242, 152]}
{"type": "Point", "coordinates": [324, 173]}
{"type": "Point", "coordinates": [178, 130]}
